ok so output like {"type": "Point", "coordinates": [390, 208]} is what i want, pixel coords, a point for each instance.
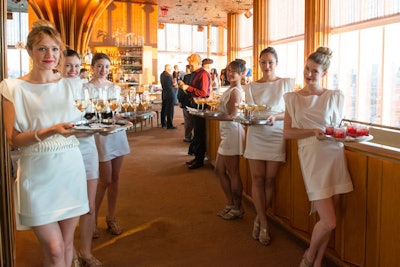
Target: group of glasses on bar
{"type": "Point", "coordinates": [94, 103]}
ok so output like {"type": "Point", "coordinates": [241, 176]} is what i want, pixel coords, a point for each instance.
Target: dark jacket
{"type": "Point", "coordinates": [184, 97]}
{"type": "Point", "coordinates": [168, 91]}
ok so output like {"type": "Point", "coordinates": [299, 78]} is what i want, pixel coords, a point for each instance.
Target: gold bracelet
{"type": "Point", "coordinates": [37, 137]}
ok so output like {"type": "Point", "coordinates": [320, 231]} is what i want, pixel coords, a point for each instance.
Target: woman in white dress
{"type": "Point", "coordinates": [70, 68]}
{"type": "Point", "coordinates": [265, 147]}
{"type": "Point", "coordinates": [231, 146]}
{"type": "Point", "coordinates": [323, 163]}
{"type": "Point", "coordinates": [51, 178]}
{"type": "Point", "coordinates": [111, 148]}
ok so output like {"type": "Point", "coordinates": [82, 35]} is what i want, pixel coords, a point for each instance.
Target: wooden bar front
{"type": "Point", "coordinates": [367, 232]}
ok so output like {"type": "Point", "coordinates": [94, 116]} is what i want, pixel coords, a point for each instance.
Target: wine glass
{"type": "Point", "coordinates": [99, 101]}
{"type": "Point", "coordinates": [125, 102]}
{"type": "Point", "coordinates": [81, 101]}
{"type": "Point", "coordinates": [113, 100]}
{"type": "Point", "coordinates": [250, 109]}
{"type": "Point", "coordinates": [241, 107]}
{"type": "Point", "coordinates": [197, 101]}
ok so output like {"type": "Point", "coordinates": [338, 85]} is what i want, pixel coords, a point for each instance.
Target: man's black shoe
{"type": "Point", "coordinates": [196, 165]}
{"type": "Point", "coordinates": [172, 127]}
{"type": "Point", "coordinates": [191, 162]}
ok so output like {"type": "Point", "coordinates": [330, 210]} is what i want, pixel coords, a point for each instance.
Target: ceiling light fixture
{"type": "Point", "coordinates": [248, 14]}
{"type": "Point", "coordinates": [164, 11]}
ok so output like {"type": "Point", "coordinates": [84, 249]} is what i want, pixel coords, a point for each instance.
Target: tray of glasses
{"type": "Point", "coordinates": [252, 121]}
{"type": "Point", "coordinates": [348, 138]}
{"type": "Point", "coordinates": [197, 112]}
{"type": "Point", "coordinates": [106, 126]}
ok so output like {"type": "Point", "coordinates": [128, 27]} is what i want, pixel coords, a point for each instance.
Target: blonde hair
{"type": "Point", "coordinates": [322, 56]}
{"type": "Point", "coordinates": [41, 28]}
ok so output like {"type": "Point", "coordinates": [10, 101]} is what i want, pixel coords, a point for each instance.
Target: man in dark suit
{"type": "Point", "coordinates": [168, 98]}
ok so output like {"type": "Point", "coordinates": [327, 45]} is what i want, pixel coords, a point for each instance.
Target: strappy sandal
{"type": "Point", "coordinates": [264, 237]}
{"type": "Point", "coordinates": [113, 227]}
{"type": "Point", "coordinates": [225, 210]}
{"type": "Point", "coordinates": [76, 262]}
{"type": "Point", "coordinates": [305, 262]}
{"type": "Point", "coordinates": [90, 262]}
{"type": "Point", "coordinates": [233, 214]}
{"type": "Point", "coordinates": [256, 230]}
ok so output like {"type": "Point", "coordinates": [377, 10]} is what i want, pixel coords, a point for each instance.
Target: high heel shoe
{"type": "Point", "coordinates": [264, 237]}
{"type": "Point", "coordinates": [225, 210]}
{"type": "Point", "coordinates": [90, 262]}
{"type": "Point", "coordinates": [76, 262]}
{"type": "Point", "coordinates": [113, 227]}
{"type": "Point", "coordinates": [305, 262]}
{"type": "Point", "coordinates": [233, 214]}
{"type": "Point", "coordinates": [256, 230]}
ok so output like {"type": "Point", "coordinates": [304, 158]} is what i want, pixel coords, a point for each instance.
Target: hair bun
{"type": "Point", "coordinates": [325, 50]}
{"type": "Point", "coordinates": [43, 23]}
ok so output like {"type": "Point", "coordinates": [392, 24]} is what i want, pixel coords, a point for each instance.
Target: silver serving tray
{"type": "Point", "coordinates": [107, 126]}
{"type": "Point", "coordinates": [365, 138]}
{"type": "Point", "coordinates": [255, 121]}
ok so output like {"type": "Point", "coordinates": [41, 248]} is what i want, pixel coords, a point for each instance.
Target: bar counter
{"type": "Point", "coordinates": [367, 232]}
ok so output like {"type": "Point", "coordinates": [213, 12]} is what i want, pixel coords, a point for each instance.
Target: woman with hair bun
{"type": "Point", "coordinates": [322, 162]}
{"type": "Point", "coordinates": [231, 146]}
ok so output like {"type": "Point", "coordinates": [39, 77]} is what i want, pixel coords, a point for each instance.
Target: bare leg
{"type": "Point", "coordinates": [103, 183]}
{"type": "Point", "coordinates": [257, 169]}
{"type": "Point", "coordinates": [224, 179]}
{"type": "Point", "coordinates": [232, 166]}
{"type": "Point", "coordinates": [322, 230]}
{"type": "Point", "coordinates": [271, 172]}
{"type": "Point", "coordinates": [56, 240]}
{"type": "Point", "coordinates": [113, 187]}
{"type": "Point", "coordinates": [87, 221]}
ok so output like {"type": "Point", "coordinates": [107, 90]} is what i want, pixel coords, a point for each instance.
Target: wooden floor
{"type": "Point", "coordinates": [168, 213]}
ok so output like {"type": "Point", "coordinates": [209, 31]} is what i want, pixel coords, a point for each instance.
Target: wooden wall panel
{"type": "Point", "coordinates": [390, 231]}
{"type": "Point", "coordinates": [354, 211]}
{"type": "Point", "coordinates": [374, 192]}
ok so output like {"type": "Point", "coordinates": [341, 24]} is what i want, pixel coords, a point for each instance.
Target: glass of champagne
{"type": "Point", "coordinates": [113, 100]}
{"type": "Point", "coordinates": [250, 109]}
{"type": "Point", "coordinates": [125, 102]}
{"type": "Point", "coordinates": [100, 106]}
{"type": "Point", "coordinates": [81, 99]}
{"type": "Point", "coordinates": [197, 101]}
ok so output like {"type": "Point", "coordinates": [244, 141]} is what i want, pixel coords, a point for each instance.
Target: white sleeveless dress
{"type": "Point", "coordinates": [51, 180]}
{"type": "Point", "coordinates": [112, 145]}
{"type": "Point", "coordinates": [265, 142]}
{"type": "Point", "coordinates": [323, 163]}
{"type": "Point", "coordinates": [232, 133]}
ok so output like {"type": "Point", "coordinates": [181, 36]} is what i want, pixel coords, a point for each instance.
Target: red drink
{"type": "Point", "coordinates": [329, 129]}
{"type": "Point", "coordinates": [352, 130]}
{"type": "Point", "coordinates": [362, 131]}
{"type": "Point", "coordinates": [339, 132]}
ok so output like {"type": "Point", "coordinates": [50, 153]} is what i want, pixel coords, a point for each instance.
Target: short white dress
{"type": "Point", "coordinates": [232, 133]}
{"type": "Point", "coordinates": [51, 180]}
{"type": "Point", "coordinates": [323, 163]}
{"type": "Point", "coordinates": [265, 142]}
{"type": "Point", "coordinates": [113, 145]}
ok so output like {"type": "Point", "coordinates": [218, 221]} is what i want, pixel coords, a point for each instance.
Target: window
{"type": "Point", "coordinates": [17, 32]}
{"type": "Point", "coordinates": [366, 59]}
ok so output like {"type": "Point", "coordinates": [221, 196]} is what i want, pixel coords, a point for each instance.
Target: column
{"type": "Point", "coordinates": [260, 35]}
{"type": "Point", "coordinates": [316, 25]}
{"type": "Point", "coordinates": [233, 37]}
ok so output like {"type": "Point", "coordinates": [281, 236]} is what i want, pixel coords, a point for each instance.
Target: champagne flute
{"type": "Point", "coordinates": [125, 103]}
{"type": "Point", "coordinates": [113, 100]}
{"type": "Point", "coordinates": [99, 106]}
{"type": "Point", "coordinates": [81, 101]}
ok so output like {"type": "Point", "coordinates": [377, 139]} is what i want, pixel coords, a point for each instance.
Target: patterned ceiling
{"type": "Point", "coordinates": [193, 12]}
